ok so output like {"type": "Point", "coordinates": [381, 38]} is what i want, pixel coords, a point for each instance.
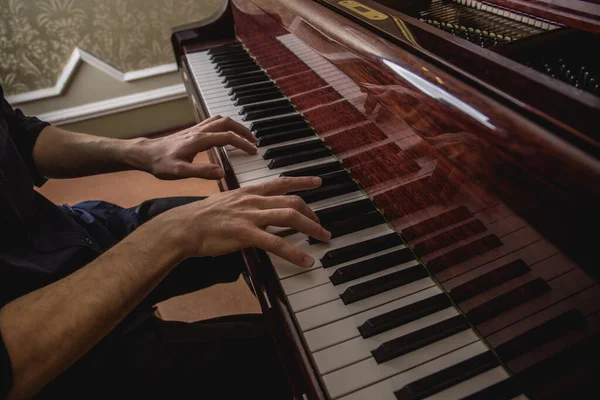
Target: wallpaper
{"type": "Point", "coordinates": [37, 37]}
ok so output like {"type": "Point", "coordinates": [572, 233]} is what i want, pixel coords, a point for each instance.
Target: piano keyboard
{"type": "Point", "coordinates": [378, 326]}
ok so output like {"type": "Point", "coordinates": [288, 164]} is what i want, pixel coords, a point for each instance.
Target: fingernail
{"type": "Point", "coordinates": [316, 180]}
{"type": "Point", "coordinates": [327, 234]}
{"type": "Point", "coordinates": [308, 261]}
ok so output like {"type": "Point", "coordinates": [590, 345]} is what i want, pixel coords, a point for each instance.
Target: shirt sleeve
{"type": "Point", "coordinates": [23, 131]}
{"type": "Point", "coordinates": [5, 370]}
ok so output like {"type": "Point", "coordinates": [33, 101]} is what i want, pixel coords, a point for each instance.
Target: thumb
{"type": "Point", "coordinates": [204, 171]}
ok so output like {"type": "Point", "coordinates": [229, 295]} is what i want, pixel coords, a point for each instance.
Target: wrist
{"type": "Point", "coordinates": [174, 234]}
{"type": "Point", "coordinates": [135, 153]}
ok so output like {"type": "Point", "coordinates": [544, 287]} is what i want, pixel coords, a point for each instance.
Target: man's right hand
{"type": "Point", "coordinates": [237, 219]}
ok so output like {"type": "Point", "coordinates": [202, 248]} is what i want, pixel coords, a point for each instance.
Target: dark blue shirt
{"type": "Point", "coordinates": [41, 242]}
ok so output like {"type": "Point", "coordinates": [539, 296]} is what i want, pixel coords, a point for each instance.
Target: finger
{"type": "Point", "coordinates": [294, 202]}
{"type": "Point", "coordinates": [285, 185]}
{"type": "Point", "coordinates": [204, 171]}
{"type": "Point", "coordinates": [227, 124]}
{"type": "Point", "coordinates": [224, 138]}
{"type": "Point", "coordinates": [290, 218]}
{"type": "Point", "coordinates": [278, 246]}
{"type": "Point", "coordinates": [209, 120]}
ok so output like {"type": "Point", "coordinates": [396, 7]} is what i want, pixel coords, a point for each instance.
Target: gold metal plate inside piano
{"type": "Point", "coordinates": [363, 10]}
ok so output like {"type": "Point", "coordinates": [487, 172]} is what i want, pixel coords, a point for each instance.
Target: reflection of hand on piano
{"type": "Point", "coordinates": [171, 157]}
{"type": "Point", "coordinates": [237, 219]}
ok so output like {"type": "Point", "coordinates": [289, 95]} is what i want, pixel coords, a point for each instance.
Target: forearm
{"type": "Point", "coordinates": [49, 329]}
{"type": "Point", "coordinates": [63, 154]}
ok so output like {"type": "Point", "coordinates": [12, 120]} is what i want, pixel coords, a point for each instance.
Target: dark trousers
{"type": "Point", "coordinates": [229, 357]}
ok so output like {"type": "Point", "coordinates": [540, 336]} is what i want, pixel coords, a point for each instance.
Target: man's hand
{"type": "Point", "coordinates": [237, 219]}
{"type": "Point", "coordinates": [171, 157]}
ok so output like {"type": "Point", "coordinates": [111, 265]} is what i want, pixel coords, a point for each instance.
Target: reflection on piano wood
{"type": "Point", "coordinates": [433, 285]}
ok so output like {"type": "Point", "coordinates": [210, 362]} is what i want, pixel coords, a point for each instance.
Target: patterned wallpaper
{"type": "Point", "coordinates": [37, 37]}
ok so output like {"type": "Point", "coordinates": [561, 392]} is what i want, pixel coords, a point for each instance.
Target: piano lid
{"type": "Point", "coordinates": [539, 67]}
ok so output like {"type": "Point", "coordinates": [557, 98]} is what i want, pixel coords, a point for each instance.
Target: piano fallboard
{"type": "Point", "coordinates": [460, 265]}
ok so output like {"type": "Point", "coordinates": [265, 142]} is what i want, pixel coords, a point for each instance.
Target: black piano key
{"type": "Point", "coordinates": [281, 128]}
{"type": "Point", "coordinates": [270, 94]}
{"type": "Point", "coordinates": [345, 227]}
{"type": "Point", "coordinates": [401, 316]}
{"type": "Point", "coordinates": [508, 300]}
{"type": "Point", "coordinates": [284, 137]}
{"type": "Point", "coordinates": [234, 64]}
{"type": "Point", "coordinates": [270, 112]}
{"type": "Point", "coordinates": [250, 89]}
{"type": "Point", "coordinates": [233, 78]}
{"type": "Point", "coordinates": [292, 148]}
{"type": "Point", "coordinates": [264, 106]}
{"type": "Point", "coordinates": [354, 251]}
{"type": "Point", "coordinates": [276, 121]}
{"type": "Point", "coordinates": [229, 57]}
{"type": "Point", "coordinates": [297, 158]}
{"type": "Point", "coordinates": [503, 390]}
{"type": "Point", "coordinates": [421, 338]}
{"type": "Point", "coordinates": [225, 49]}
{"type": "Point", "coordinates": [345, 211]}
{"type": "Point", "coordinates": [326, 192]}
{"type": "Point", "coordinates": [237, 71]}
{"type": "Point", "coordinates": [335, 177]}
{"type": "Point", "coordinates": [543, 333]}
{"type": "Point", "coordinates": [254, 78]}
{"type": "Point", "coordinates": [372, 265]}
{"type": "Point", "coordinates": [258, 90]}
{"type": "Point", "coordinates": [315, 170]}
{"type": "Point", "coordinates": [489, 280]}
{"type": "Point", "coordinates": [382, 284]}
{"type": "Point", "coordinates": [448, 377]}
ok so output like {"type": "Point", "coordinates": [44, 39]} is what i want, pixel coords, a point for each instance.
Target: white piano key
{"type": "Point", "coordinates": [264, 172]}
{"type": "Point", "coordinates": [347, 328]}
{"type": "Point", "coordinates": [285, 268]}
{"type": "Point", "coordinates": [328, 292]}
{"type": "Point", "coordinates": [251, 166]}
{"type": "Point", "coordinates": [359, 348]}
{"type": "Point", "coordinates": [335, 310]}
{"type": "Point", "coordinates": [384, 390]}
{"type": "Point", "coordinates": [316, 277]}
{"type": "Point", "coordinates": [337, 200]}
{"type": "Point", "coordinates": [367, 372]}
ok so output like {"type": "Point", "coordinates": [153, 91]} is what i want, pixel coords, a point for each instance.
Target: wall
{"type": "Point", "coordinates": [57, 56]}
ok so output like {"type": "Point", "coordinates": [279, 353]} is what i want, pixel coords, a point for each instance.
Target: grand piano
{"type": "Point", "coordinates": [458, 142]}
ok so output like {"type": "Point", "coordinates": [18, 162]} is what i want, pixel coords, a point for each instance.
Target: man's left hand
{"type": "Point", "coordinates": [171, 157]}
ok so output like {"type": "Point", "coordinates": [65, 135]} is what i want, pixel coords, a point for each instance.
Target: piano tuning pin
{"type": "Point", "coordinates": [500, 37]}
{"type": "Point", "coordinates": [576, 83]}
{"type": "Point", "coordinates": [492, 35]}
{"type": "Point", "coordinates": [571, 79]}
{"type": "Point", "coordinates": [596, 89]}
{"type": "Point", "coordinates": [582, 72]}
{"type": "Point", "coordinates": [485, 33]}
{"type": "Point", "coordinates": [477, 30]}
